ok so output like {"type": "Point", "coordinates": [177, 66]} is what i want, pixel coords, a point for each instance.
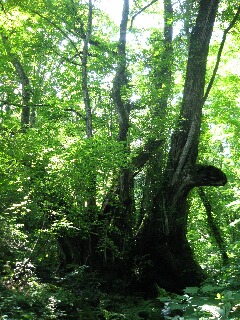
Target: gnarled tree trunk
{"type": "Point", "coordinates": [164, 255]}
{"type": "Point", "coordinates": [159, 252]}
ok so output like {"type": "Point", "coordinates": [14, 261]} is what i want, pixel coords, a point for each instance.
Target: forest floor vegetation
{"type": "Point", "coordinates": [79, 295]}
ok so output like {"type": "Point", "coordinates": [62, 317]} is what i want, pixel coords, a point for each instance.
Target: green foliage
{"type": "Point", "coordinates": [210, 301]}
{"type": "Point", "coordinates": [49, 173]}
{"type": "Point", "coordinates": [23, 297]}
{"type": "Point", "coordinates": [77, 295]}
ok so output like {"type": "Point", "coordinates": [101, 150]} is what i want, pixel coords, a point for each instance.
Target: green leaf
{"type": "Point", "coordinates": [191, 290]}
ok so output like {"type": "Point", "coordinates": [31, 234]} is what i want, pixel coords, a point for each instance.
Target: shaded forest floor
{"type": "Point", "coordinates": [79, 295]}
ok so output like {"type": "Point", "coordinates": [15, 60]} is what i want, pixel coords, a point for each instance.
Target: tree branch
{"type": "Point", "coordinates": [9, 103]}
{"type": "Point", "coordinates": [74, 33]}
{"type": "Point", "coordinates": [185, 138]}
{"type": "Point", "coordinates": [204, 175]}
{"type": "Point", "coordinates": [232, 23]}
{"type": "Point", "coordinates": [69, 60]}
{"type": "Point", "coordinates": [144, 154]}
{"type": "Point", "coordinates": [77, 113]}
{"type": "Point", "coordinates": [185, 151]}
{"type": "Point", "coordinates": [140, 11]}
{"type": "Point", "coordinates": [58, 28]}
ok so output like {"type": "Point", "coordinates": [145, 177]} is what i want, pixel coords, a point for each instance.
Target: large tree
{"type": "Point", "coordinates": [116, 185]}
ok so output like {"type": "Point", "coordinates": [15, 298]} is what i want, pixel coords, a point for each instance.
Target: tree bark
{"type": "Point", "coordinates": [91, 201]}
{"type": "Point", "coordinates": [214, 229]}
{"type": "Point", "coordinates": [118, 207]}
{"type": "Point", "coordinates": [120, 79]}
{"type": "Point", "coordinates": [88, 109]}
{"type": "Point", "coordinates": [25, 85]}
{"type": "Point", "coordinates": [164, 255]}
{"type": "Point", "coordinates": [76, 249]}
{"type": "Point", "coordinates": [162, 81]}
{"type": "Point", "coordinates": [121, 212]}
{"type": "Point", "coordinates": [159, 252]}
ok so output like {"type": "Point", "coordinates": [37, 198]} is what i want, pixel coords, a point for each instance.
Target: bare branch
{"type": "Point", "coordinates": [232, 23]}
{"type": "Point", "coordinates": [140, 11]}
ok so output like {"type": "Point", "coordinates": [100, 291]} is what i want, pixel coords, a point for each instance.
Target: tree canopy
{"type": "Point", "coordinates": [119, 150]}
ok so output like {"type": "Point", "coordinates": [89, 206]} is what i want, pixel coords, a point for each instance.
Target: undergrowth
{"type": "Point", "coordinates": [78, 295]}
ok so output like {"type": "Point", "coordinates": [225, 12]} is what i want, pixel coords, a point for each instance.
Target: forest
{"type": "Point", "coordinates": [119, 159]}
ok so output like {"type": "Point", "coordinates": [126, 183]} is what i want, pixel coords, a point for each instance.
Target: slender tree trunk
{"type": "Point", "coordinates": [26, 93]}
{"type": "Point", "coordinates": [87, 103]}
{"type": "Point", "coordinates": [120, 79]}
{"type": "Point", "coordinates": [25, 84]}
{"type": "Point", "coordinates": [121, 214]}
{"type": "Point", "coordinates": [163, 82]}
{"type": "Point", "coordinates": [118, 207]}
{"type": "Point", "coordinates": [76, 249]}
{"type": "Point", "coordinates": [91, 201]}
{"type": "Point", "coordinates": [213, 227]}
